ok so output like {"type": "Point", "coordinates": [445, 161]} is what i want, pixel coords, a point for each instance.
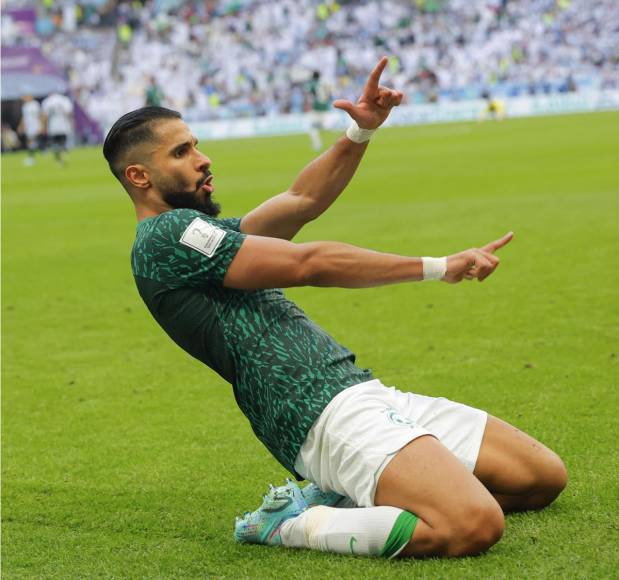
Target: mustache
{"type": "Point", "coordinates": [202, 181]}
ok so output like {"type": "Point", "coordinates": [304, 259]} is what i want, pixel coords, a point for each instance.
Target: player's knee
{"type": "Point", "coordinates": [552, 480]}
{"type": "Point", "coordinates": [542, 480]}
{"type": "Point", "coordinates": [557, 476]}
{"type": "Point", "coordinates": [478, 530]}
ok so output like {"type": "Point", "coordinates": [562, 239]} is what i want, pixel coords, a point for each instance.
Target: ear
{"type": "Point", "coordinates": [138, 176]}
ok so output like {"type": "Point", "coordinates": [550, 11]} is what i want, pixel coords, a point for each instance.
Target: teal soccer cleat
{"type": "Point", "coordinates": [315, 496]}
{"type": "Point", "coordinates": [263, 525]}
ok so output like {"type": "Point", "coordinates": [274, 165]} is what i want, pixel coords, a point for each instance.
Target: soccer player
{"type": "Point", "coordinates": [154, 93]}
{"type": "Point", "coordinates": [58, 110]}
{"type": "Point", "coordinates": [31, 127]}
{"type": "Point", "coordinates": [321, 99]}
{"type": "Point", "coordinates": [495, 108]}
{"type": "Point", "coordinates": [428, 476]}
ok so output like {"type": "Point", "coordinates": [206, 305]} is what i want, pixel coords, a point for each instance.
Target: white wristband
{"type": "Point", "coordinates": [434, 268]}
{"type": "Point", "coordinates": [358, 135]}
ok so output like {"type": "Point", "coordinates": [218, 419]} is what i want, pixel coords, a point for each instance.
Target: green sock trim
{"type": "Point", "coordinates": [400, 534]}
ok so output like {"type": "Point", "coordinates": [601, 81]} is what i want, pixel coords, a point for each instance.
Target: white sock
{"type": "Point", "coordinates": [315, 137]}
{"type": "Point", "coordinates": [375, 531]}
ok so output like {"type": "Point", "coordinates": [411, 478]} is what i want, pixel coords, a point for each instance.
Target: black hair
{"type": "Point", "coordinates": [130, 130]}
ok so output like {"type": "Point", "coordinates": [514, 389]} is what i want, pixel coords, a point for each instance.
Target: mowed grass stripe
{"type": "Point", "coordinates": [123, 457]}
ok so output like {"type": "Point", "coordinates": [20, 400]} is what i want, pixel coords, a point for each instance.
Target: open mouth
{"type": "Point", "coordinates": [207, 184]}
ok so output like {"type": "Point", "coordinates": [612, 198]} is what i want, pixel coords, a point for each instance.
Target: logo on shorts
{"type": "Point", "coordinates": [399, 420]}
{"type": "Point", "coordinates": [352, 544]}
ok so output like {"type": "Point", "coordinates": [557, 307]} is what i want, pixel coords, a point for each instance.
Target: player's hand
{"type": "Point", "coordinates": [475, 263]}
{"type": "Point", "coordinates": [376, 102]}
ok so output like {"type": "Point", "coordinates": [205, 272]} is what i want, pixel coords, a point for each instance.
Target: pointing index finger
{"type": "Point", "coordinates": [374, 77]}
{"type": "Point", "coordinates": [498, 244]}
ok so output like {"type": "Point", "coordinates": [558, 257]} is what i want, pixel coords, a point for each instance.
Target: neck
{"type": "Point", "coordinates": [143, 213]}
{"type": "Point", "coordinates": [149, 207]}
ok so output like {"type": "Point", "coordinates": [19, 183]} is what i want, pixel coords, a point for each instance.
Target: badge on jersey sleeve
{"type": "Point", "coordinates": [202, 236]}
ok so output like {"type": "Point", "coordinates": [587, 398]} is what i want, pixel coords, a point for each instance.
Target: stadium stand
{"type": "Point", "coordinates": [231, 58]}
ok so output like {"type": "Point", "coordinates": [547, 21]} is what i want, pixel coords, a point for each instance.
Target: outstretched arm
{"type": "Point", "coordinates": [322, 181]}
{"type": "Point", "coordinates": [272, 263]}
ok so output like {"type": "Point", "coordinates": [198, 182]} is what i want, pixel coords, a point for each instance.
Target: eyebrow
{"type": "Point", "coordinates": [193, 141]}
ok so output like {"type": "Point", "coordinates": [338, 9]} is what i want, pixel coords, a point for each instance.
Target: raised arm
{"type": "Point", "coordinates": [263, 262]}
{"type": "Point", "coordinates": [321, 182]}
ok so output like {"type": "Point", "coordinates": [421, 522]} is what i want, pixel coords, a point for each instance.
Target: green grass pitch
{"type": "Point", "coordinates": [124, 458]}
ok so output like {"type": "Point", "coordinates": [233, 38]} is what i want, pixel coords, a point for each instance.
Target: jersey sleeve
{"type": "Point", "coordinates": [192, 249]}
{"type": "Point", "coordinates": [232, 223]}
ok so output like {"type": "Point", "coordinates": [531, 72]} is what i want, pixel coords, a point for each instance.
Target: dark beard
{"type": "Point", "coordinates": [190, 200]}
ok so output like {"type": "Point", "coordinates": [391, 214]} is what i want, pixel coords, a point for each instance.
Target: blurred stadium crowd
{"type": "Point", "coordinates": [216, 59]}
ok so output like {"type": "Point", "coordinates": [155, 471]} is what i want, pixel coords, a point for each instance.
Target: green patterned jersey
{"type": "Point", "coordinates": [284, 369]}
{"type": "Point", "coordinates": [321, 98]}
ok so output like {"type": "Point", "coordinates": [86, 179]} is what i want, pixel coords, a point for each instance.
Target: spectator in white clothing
{"type": "Point", "coordinates": [58, 110]}
{"type": "Point", "coordinates": [31, 127]}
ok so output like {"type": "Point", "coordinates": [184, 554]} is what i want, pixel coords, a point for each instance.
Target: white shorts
{"type": "Point", "coordinates": [363, 427]}
{"type": "Point", "coordinates": [318, 119]}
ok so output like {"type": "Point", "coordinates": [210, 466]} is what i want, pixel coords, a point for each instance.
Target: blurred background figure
{"type": "Point", "coordinates": [10, 140]}
{"type": "Point", "coordinates": [493, 108]}
{"type": "Point", "coordinates": [31, 127]}
{"type": "Point", "coordinates": [58, 111]}
{"type": "Point", "coordinates": [320, 95]}
{"type": "Point", "coordinates": [154, 94]}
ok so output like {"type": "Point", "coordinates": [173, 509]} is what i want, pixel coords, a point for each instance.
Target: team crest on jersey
{"type": "Point", "coordinates": [202, 236]}
{"type": "Point", "coordinates": [398, 419]}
